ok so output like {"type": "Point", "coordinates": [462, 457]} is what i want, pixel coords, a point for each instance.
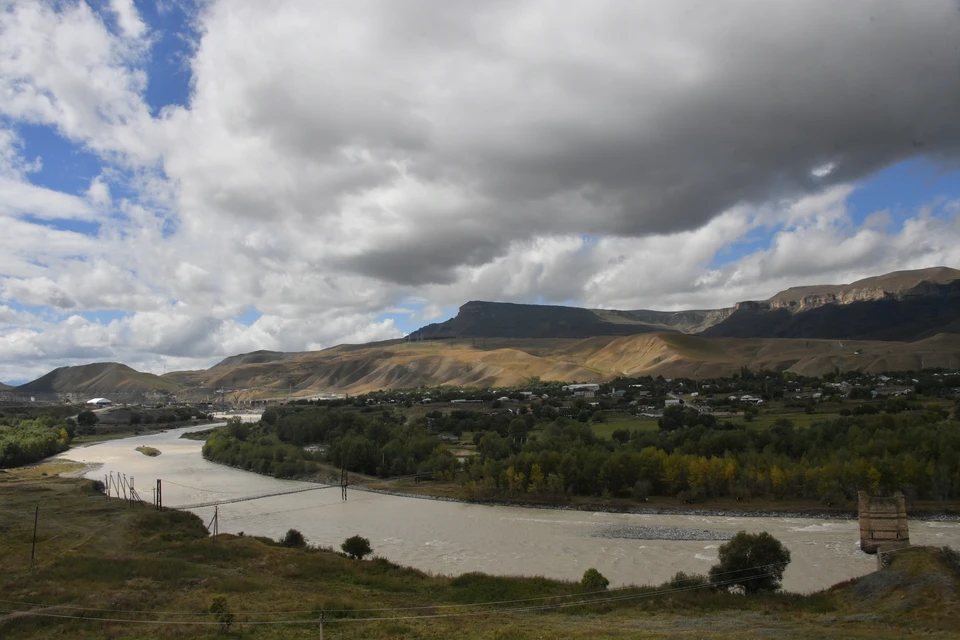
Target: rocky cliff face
{"type": "Point", "coordinates": [910, 304]}
{"type": "Point", "coordinates": [867, 313]}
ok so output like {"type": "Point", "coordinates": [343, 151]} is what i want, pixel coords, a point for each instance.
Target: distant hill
{"type": "Point", "coordinates": [98, 378]}
{"type": "Point", "coordinates": [509, 361]}
{"type": "Point", "coordinates": [906, 320]}
{"type": "Point", "coordinates": [5, 387]}
{"type": "Point", "coordinates": [872, 312]}
{"type": "Point", "coordinates": [478, 319]}
{"type": "Point", "coordinates": [878, 287]}
{"type": "Point", "coordinates": [254, 357]}
{"type": "Point", "coordinates": [898, 306]}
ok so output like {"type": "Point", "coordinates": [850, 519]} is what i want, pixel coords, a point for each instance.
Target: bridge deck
{"type": "Point", "coordinates": [210, 503]}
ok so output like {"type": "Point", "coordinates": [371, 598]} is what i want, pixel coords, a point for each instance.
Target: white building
{"type": "Point", "coordinates": [100, 402]}
{"type": "Point", "coordinates": [583, 390]}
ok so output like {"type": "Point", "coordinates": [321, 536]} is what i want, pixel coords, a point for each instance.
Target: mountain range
{"type": "Point", "coordinates": [905, 320]}
{"type": "Point", "coordinates": [899, 306]}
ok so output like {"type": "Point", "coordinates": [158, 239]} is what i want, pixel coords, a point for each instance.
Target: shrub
{"type": "Point", "coordinates": [218, 606]}
{"type": "Point", "coordinates": [356, 547]}
{"type": "Point", "coordinates": [293, 539]}
{"type": "Point", "coordinates": [593, 580]}
{"type": "Point", "coordinates": [753, 562]}
{"type": "Point", "coordinates": [87, 418]}
{"type": "Point", "coordinates": [691, 581]}
{"type": "Point", "coordinates": [97, 486]}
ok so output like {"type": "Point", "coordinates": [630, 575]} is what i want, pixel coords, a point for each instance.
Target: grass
{"type": "Point", "coordinates": [606, 429]}
{"type": "Point", "coordinates": [149, 451]}
{"type": "Point", "coordinates": [147, 565]}
{"type": "Point", "coordinates": [765, 420]}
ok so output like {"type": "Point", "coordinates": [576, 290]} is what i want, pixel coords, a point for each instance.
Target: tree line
{"type": "Point", "coordinates": [691, 456]}
{"type": "Point", "coordinates": [381, 443]}
{"type": "Point", "coordinates": [27, 440]}
{"type": "Point", "coordinates": [830, 460]}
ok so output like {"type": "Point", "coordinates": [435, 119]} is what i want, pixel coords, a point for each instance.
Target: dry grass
{"type": "Point", "coordinates": [149, 565]}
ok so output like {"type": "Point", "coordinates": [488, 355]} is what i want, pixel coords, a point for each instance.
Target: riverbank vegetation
{"type": "Point", "coordinates": [25, 440]}
{"type": "Point", "coordinates": [112, 570]}
{"type": "Point", "coordinates": [533, 454]}
{"type": "Point", "coordinates": [152, 452]}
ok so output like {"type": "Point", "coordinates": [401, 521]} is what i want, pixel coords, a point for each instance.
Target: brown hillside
{"type": "Point", "coordinates": [894, 282]}
{"type": "Point", "coordinates": [98, 378]}
{"type": "Point", "coordinates": [507, 362]}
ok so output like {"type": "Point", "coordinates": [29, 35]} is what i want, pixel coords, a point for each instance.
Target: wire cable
{"type": "Point", "coordinates": [416, 608]}
{"type": "Point", "coordinates": [435, 616]}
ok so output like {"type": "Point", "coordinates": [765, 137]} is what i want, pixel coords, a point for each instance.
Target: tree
{"type": "Point", "coordinates": [218, 606]}
{"type": "Point", "coordinates": [752, 561]}
{"type": "Point", "coordinates": [356, 547]}
{"type": "Point", "coordinates": [293, 539]}
{"type": "Point", "coordinates": [593, 580]}
{"type": "Point", "coordinates": [518, 430]}
{"type": "Point", "coordinates": [87, 418]}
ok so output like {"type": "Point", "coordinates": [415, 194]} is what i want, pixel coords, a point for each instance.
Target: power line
{"type": "Point", "coordinates": [425, 607]}
{"type": "Point", "coordinates": [438, 606]}
{"type": "Point", "coordinates": [435, 616]}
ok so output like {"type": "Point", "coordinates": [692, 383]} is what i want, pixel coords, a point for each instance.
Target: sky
{"type": "Point", "coordinates": [184, 181]}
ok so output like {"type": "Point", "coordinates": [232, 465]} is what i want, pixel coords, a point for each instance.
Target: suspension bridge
{"type": "Point", "coordinates": [218, 501]}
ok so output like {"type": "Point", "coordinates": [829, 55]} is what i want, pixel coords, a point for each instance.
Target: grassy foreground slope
{"type": "Point", "coordinates": [133, 572]}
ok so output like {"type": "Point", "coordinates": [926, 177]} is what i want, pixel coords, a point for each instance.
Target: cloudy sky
{"type": "Point", "coordinates": [183, 181]}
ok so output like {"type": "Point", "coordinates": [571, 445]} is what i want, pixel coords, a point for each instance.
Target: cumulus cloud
{"type": "Point", "coordinates": [335, 161]}
{"type": "Point", "coordinates": [456, 131]}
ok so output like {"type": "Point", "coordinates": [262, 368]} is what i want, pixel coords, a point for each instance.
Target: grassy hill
{"type": "Point", "coordinates": [507, 362]}
{"type": "Point", "coordinates": [98, 378]}
{"type": "Point", "coordinates": [110, 570]}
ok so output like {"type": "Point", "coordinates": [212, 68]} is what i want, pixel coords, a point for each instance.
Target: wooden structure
{"type": "Point", "coordinates": [883, 523]}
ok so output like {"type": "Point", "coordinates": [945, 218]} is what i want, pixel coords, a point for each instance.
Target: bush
{"type": "Point", "coordinates": [293, 539]}
{"type": "Point", "coordinates": [593, 580]}
{"type": "Point", "coordinates": [218, 606]}
{"type": "Point", "coordinates": [87, 418]}
{"type": "Point", "coordinates": [691, 581]}
{"type": "Point", "coordinates": [753, 562]}
{"type": "Point", "coordinates": [356, 547]}
{"type": "Point", "coordinates": [97, 486]}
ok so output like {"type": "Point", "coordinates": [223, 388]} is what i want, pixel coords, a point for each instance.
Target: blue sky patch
{"type": "Point", "coordinates": [67, 166]}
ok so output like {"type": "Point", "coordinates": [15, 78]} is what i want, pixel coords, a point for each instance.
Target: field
{"type": "Point", "coordinates": [113, 570]}
{"type": "Point", "coordinates": [763, 420]}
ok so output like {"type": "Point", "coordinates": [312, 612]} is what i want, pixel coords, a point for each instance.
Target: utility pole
{"type": "Point", "coordinates": [33, 547]}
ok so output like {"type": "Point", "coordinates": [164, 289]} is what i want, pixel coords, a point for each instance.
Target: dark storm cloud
{"type": "Point", "coordinates": [592, 117]}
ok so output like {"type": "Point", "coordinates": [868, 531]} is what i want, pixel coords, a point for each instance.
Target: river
{"type": "Point", "coordinates": [453, 538]}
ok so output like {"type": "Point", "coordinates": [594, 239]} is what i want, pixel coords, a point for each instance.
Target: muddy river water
{"type": "Point", "coordinates": [453, 538]}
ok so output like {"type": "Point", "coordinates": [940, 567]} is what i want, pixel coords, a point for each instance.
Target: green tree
{"type": "Point", "coordinates": [293, 539]}
{"type": "Point", "coordinates": [752, 561]}
{"type": "Point", "coordinates": [593, 580]}
{"type": "Point", "coordinates": [87, 418]}
{"type": "Point", "coordinates": [356, 547]}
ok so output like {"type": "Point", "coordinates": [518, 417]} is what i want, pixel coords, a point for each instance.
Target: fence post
{"type": "Point", "coordinates": [33, 547]}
